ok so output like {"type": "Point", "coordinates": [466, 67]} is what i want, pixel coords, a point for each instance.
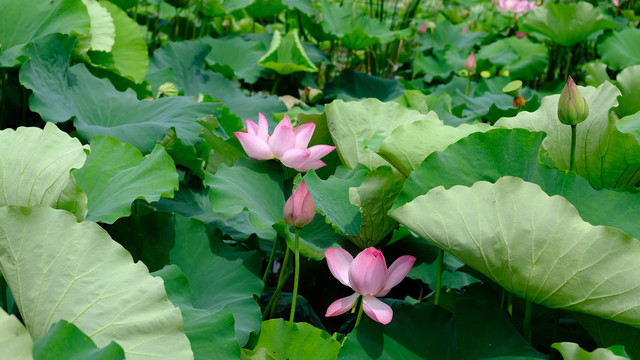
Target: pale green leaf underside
{"type": "Point", "coordinates": [533, 245]}
{"type": "Point", "coordinates": [102, 33]}
{"type": "Point", "coordinates": [58, 269]}
{"type": "Point", "coordinates": [350, 123]}
{"type": "Point", "coordinates": [604, 155]}
{"type": "Point", "coordinates": [15, 340]}
{"type": "Point", "coordinates": [573, 351]}
{"type": "Point", "coordinates": [116, 174]}
{"type": "Point", "coordinates": [35, 165]}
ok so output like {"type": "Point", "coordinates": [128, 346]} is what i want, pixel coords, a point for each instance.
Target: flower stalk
{"type": "Point", "coordinates": [439, 265]}
{"type": "Point", "coordinates": [296, 275]}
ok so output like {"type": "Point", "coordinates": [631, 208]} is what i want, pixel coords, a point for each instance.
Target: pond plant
{"type": "Point", "coordinates": [247, 179]}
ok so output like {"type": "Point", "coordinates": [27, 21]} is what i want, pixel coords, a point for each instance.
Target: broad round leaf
{"type": "Point", "coordinates": [566, 24]}
{"type": "Point", "coordinates": [35, 168]}
{"type": "Point", "coordinates": [61, 93]}
{"type": "Point", "coordinates": [15, 340]}
{"type": "Point", "coordinates": [23, 21]}
{"type": "Point", "coordinates": [535, 246]}
{"type": "Point", "coordinates": [615, 49]}
{"type": "Point", "coordinates": [59, 269]}
{"type": "Point", "coordinates": [286, 55]}
{"type": "Point", "coordinates": [285, 340]}
{"type": "Point", "coordinates": [102, 32]}
{"type": "Point", "coordinates": [115, 174]}
{"type": "Point", "coordinates": [572, 351]}
{"type": "Point", "coordinates": [350, 123]}
{"type": "Point", "coordinates": [629, 85]}
{"type": "Point", "coordinates": [128, 56]}
{"type": "Point", "coordinates": [65, 341]}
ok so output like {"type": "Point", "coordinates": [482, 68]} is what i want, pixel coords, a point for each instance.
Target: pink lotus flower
{"type": "Point", "coordinates": [516, 6]}
{"type": "Point", "coordinates": [616, 3]}
{"type": "Point", "coordinates": [368, 275]}
{"type": "Point", "coordinates": [286, 144]}
{"type": "Point", "coordinates": [300, 209]}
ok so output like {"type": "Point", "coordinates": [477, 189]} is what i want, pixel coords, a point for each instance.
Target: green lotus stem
{"type": "Point", "coordinates": [281, 281]}
{"type": "Point", "coordinates": [572, 159]}
{"type": "Point", "coordinates": [296, 274]}
{"type": "Point", "coordinates": [526, 325]}
{"type": "Point", "coordinates": [270, 262]}
{"type": "Point", "coordinates": [510, 304]}
{"type": "Point", "coordinates": [275, 84]}
{"type": "Point", "coordinates": [439, 262]}
{"type": "Point", "coordinates": [466, 92]}
{"type": "Point", "coordinates": [360, 310]}
{"type": "Point", "coordinates": [175, 30]}
{"type": "Point", "coordinates": [3, 102]}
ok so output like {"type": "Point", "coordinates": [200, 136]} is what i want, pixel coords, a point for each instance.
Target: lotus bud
{"type": "Point", "coordinates": [470, 64]}
{"type": "Point", "coordinates": [572, 106]}
{"type": "Point", "coordinates": [300, 209]}
{"type": "Point", "coordinates": [422, 29]}
{"type": "Point", "coordinates": [167, 90]}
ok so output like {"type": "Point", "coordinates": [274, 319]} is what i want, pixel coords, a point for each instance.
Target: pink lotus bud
{"type": "Point", "coordinates": [470, 64]}
{"type": "Point", "coordinates": [616, 3]}
{"type": "Point", "coordinates": [422, 29]}
{"type": "Point", "coordinates": [300, 209]}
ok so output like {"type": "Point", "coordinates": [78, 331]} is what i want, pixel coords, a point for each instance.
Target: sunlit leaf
{"type": "Point", "coordinates": [615, 49]}
{"type": "Point", "coordinates": [572, 351]}
{"type": "Point", "coordinates": [59, 269]}
{"type": "Point", "coordinates": [286, 55]}
{"type": "Point", "coordinates": [15, 340]}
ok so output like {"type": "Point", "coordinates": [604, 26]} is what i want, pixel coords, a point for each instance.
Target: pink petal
{"type": "Point", "coordinates": [339, 260]}
{"type": "Point", "coordinates": [319, 151]}
{"type": "Point", "coordinates": [342, 305]}
{"type": "Point", "coordinates": [299, 210]}
{"type": "Point", "coordinates": [377, 310]}
{"type": "Point", "coordinates": [397, 271]}
{"type": "Point", "coordinates": [283, 138]}
{"type": "Point", "coordinates": [295, 158]}
{"type": "Point", "coordinates": [304, 133]}
{"type": "Point", "coordinates": [368, 272]}
{"type": "Point", "coordinates": [308, 165]}
{"type": "Point", "coordinates": [254, 146]}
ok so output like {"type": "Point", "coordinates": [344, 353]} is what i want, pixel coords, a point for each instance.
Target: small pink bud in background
{"type": "Point", "coordinates": [520, 35]}
{"type": "Point", "coordinates": [616, 3]}
{"type": "Point", "coordinates": [464, 30]}
{"type": "Point", "coordinates": [422, 29]}
{"type": "Point", "coordinates": [470, 64]}
{"type": "Point", "coordinates": [300, 209]}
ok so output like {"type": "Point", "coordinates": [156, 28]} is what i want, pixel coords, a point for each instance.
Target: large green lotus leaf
{"type": "Point", "coordinates": [184, 62]}
{"type": "Point", "coordinates": [514, 152]}
{"type": "Point", "coordinates": [102, 32]}
{"type": "Point", "coordinates": [355, 28]}
{"type": "Point", "coordinates": [566, 24]}
{"type": "Point", "coordinates": [15, 340]}
{"type": "Point", "coordinates": [286, 340]}
{"type": "Point", "coordinates": [24, 21]}
{"type": "Point", "coordinates": [224, 53]}
{"type": "Point", "coordinates": [250, 186]}
{"type": "Point", "coordinates": [61, 93]}
{"type": "Point", "coordinates": [286, 55]}
{"type": "Point", "coordinates": [35, 169]}
{"type": "Point", "coordinates": [616, 52]}
{"type": "Point", "coordinates": [374, 197]}
{"type": "Point", "coordinates": [331, 197]}
{"type": "Point", "coordinates": [523, 58]}
{"type": "Point", "coordinates": [116, 173]}
{"type": "Point", "coordinates": [596, 73]}
{"type": "Point", "coordinates": [573, 351]}
{"type": "Point", "coordinates": [350, 123]}
{"type": "Point", "coordinates": [128, 56]}
{"type": "Point", "coordinates": [409, 144]}
{"type": "Point", "coordinates": [475, 330]}
{"type": "Point", "coordinates": [261, 9]}
{"type": "Point", "coordinates": [430, 66]}
{"type": "Point", "coordinates": [219, 275]}
{"type": "Point", "coordinates": [59, 269]}
{"type": "Point", "coordinates": [354, 85]}
{"type": "Point", "coordinates": [446, 35]}
{"type": "Point", "coordinates": [604, 155]}
{"type": "Point", "coordinates": [209, 331]}
{"type": "Point", "coordinates": [629, 85]}
{"type": "Point", "coordinates": [535, 246]}
{"type": "Point", "coordinates": [65, 341]}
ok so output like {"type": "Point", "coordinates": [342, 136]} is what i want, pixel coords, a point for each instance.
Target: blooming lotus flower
{"type": "Point", "coordinates": [286, 144]}
{"type": "Point", "coordinates": [368, 275]}
{"type": "Point", "coordinates": [516, 6]}
{"type": "Point", "coordinates": [300, 209]}
{"type": "Point", "coordinates": [470, 64]}
{"type": "Point", "coordinates": [572, 106]}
